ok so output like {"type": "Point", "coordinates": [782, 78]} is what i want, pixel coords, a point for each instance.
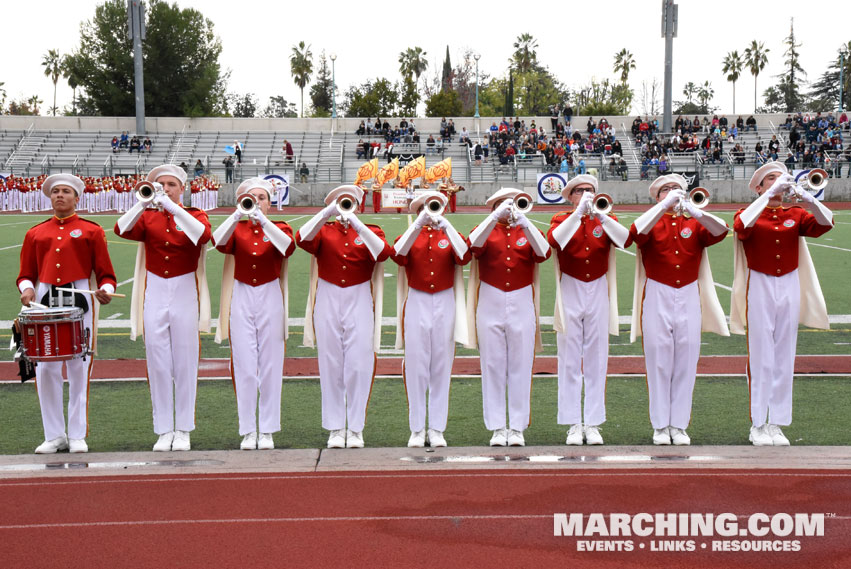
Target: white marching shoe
{"type": "Point", "coordinates": [337, 439]}
{"type": "Point", "coordinates": [759, 436]}
{"type": "Point", "coordinates": [354, 439]}
{"type": "Point", "coordinates": [679, 436]}
{"type": "Point", "coordinates": [265, 442]}
{"type": "Point", "coordinates": [661, 436]}
{"type": "Point", "coordinates": [181, 441]}
{"type": "Point", "coordinates": [515, 438]}
{"type": "Point", "coordinates": [498, 438]}
{"type": "Point", "coordinates": [592, 435]}
{"type": "Point", "coordinates": [52, 446]}
{"type": "Point", "coordinates": [435, 439]}
{"type": "Point", "coordinates": [418, 439]}
{"type": "Point", "coordinates": [77, 445]}
{"type": "Point", "coordinates": [574, 435]}
{"type": "Point", "coordinates": [163, 443]}
{"type": "Point", "coordinates": [778, 439]}
{"type": "Point", "coordinates": [249, 442]}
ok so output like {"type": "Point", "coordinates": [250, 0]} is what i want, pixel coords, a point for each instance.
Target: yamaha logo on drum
{"type": "Point", "coordinates": [47, 343]}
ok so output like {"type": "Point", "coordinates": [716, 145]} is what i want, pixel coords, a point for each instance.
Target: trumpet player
{"type": "Point", "coordinates": [503, 305]}
{"type": "Point", "coordinates": [253, 308]}
{"type": "Point", "coordinates": [775, 283]}
{"type": "Point", "coordinates": [170, 302]}
{"type": "Point", "coordinates": [586, 305]}
{"type": "Point", "coordinates": [431, 313]}
{"type": "Point", "coordinates": [674, 300]}
{"type": "Point", "coordinates": [343, 316]}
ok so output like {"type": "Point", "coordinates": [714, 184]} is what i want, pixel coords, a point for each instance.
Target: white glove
{"type": "Point", "coordinates": [222, 234]}
{"type": "Point", "coordinates": [502, 212]}
{"type": "Point", "coordinates": [163, 201]}
{"type": "Point", "coordinates": [520, 220]}
{"type": "Point", "coordinates": [807, 197]}
{"type": "Point", "coordinates": [692, 210]}
{"type": "Point", "coordinates": [440, 222]}
{"type": "Point", "coordinates": [584, 206]}
{"type": "Point", "coordinates": [780, 185]}
{"type": "Point", "coordinates": [258, 217]}
{"type": "Point", "coordinates": [311, 229]}
{"type": "Point", "coordinates": [673, 198]}
{"type": "Point", "coordinates": [422, 220]}
{"type": "Point", "coordinates": [356, 223]}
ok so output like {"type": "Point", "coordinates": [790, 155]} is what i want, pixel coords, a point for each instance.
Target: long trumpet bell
{"type": "Point", "coordinates": [602, 204]}
{"type": "Point", "coordinates": [246, 204]}
{"type": "Point", "coordinates": [145, 191]}
{"type": "Point", "coordinates": [346, 204]}
{"type": "Point", "coordinates": [434, 207]}
{"type": "Point", "coordinates": [813, 180]}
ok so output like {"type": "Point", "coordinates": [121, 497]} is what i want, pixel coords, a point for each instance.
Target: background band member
{"type": "Point", "coordinates": [503, 307]}
{"type": "Point", "coordinates": [65, 251]}
{"type": "Point", "coordinates": [253, 310]}
{"type": "Point", "coordinates": [343, 315]}
{"type": "Point", "coordinates": [670, 306]}
{"type": "Point", "coordinates": [170, 301]}
{"type": "Point", "coordinates": [586, 306]}
{"type": "Point", "coordinates": [774, 282]}
{"type": "Point", "coordinates": [431, 315]}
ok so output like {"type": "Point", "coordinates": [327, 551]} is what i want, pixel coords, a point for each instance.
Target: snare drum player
{"type": "Point", "coordinates": [253, 310]}
{"type": "Point", "coordinates": [586, 307]}
{"type": "Point", "coordinates": [170, 301]}
{"type": "Point", "coordinates": [503, 305]}
{"type": "Point", "coordinates": [775, 284]}
{"type": "Point", "coordinates": [343, 315]}
{"type": "Point", "coordinates": [70, 252]}
{"type": "Point", "coordinates": [431, 314]}
{"type": "Point", "coordinates": [674, 300]}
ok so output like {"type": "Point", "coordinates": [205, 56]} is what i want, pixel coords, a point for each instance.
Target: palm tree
{"type": "Point", "coordinates": [733, 68]}
{"type": "Point", "coordinates": [33, 103]}
{"type": "Point", "coordinates": [524, 53]}
{"type": "Point", "coordinates": [705, 93]}
{"type": "Point", "coordinates": [690, 90]}
{"type": "Point", "coordinates": [52, 63]}
{"type": "Point", "coordinates": [412, 62]}
{"type": "Point", "coordinates": [624, 63]}
{"type": "Point", "coordinates": [301, 65]}
{"type": "Point", "coordinates": [756, 60]}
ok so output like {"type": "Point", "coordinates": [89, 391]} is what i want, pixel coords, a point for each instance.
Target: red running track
{"type": "Point", "coordinates": [415, 519]}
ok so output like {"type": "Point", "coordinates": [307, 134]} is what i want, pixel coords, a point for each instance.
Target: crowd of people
{"type": "Point", "coordinates": [126, 142]}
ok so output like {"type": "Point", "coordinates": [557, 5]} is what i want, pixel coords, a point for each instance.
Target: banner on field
{"type": "Point", "coordinates": [550, 186]}
{"type": "Point", "coordinates": [394, 198]}
{"type": "Point", "coordinates": [281, 182]}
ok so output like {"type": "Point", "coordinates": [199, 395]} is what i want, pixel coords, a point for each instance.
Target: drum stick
{"type": "Point", "coordinates": [115, 294]}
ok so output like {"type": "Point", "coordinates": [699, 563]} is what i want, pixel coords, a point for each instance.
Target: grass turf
{"type": "Point", "coordinates": [120, 415]}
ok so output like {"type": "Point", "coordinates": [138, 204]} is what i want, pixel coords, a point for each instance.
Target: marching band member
{"type": "Point", "coordinates": [65, 251]}
{"type": "Point", "coordinates": [502, 310]}
{"type": "Point", "coordinates": [673, 300]}
{"type": "Point", "coordinates": [775, 285]}
{"type": "Point", "coordinates": [253, 310]}
{"type": "Point", "coordinates": [170, 301]}
{"type": "Point", "coordinates": [586, 306]}
{"type": "Point", "coordinates": [344, 304]}
{"type": "Point", "coordinates": [431, 314]}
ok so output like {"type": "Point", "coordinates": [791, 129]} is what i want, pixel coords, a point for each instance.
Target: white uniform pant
{"type": "Point", "coordinates": [343, 319]}
{"type": "Point", "coordinates": [583, 350]}
{"type": "Point", "coordinates": [670, 328]}
{"type": "Point", "coordinates": [429, 321]}
{"type": "Point", "coordinates": [505, 324]}
{"type": "Point", "coordinates": [773, 308]}
{"type": "Point", "coordinates": [257, 352]}
{"type": "Point", "coordinates": [172, 350]}
{"type": "Point", "coordinates": [48, 377]}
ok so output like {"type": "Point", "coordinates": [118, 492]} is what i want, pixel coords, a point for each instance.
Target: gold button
{"type": "Point", "coordinates": [676, 252]}
{"type": "Point", "coordinates": [57, 250]}
{"type": "Point", "coordinates": [507, 284]}
{"type": "Point", "coordinates": [432, 273]}
{"type": "Point", "coordinates": [678, 266]}
{"type": "Point", "coordinates": [775, 227]}
{"type": "Point", "coordinates": [345, 244]}
{"type": "Point", "coordinates": [778, 256]}
{"type": "Point", "coordinates": [57, 265]}
{"type": "Point", "coordinates": [253, 266]}
{"type": "Point", "coordinates": [344, 256]}
{"type": "Point", "coordinates": [166, 243]}
{"type": "Point", "coordinates": [429, 248]}
{"type": "Point", "coordinates": [587, 249]}
{"type": "Point", "coordinates": [508, 258]}
{"type": "Point", "coordinates": [168, 230]}
{"type": "Point", "coordinates": [58, 280]}
{"type": "Point", "coordinates": [253, 280]}
{"type": "Point", "coordinates": [256, 232]}
{"type": "Point", "coordinates": [776, 241]}
{"type": "Point", "coordinates": [255, 243]}
{"type": "Point", "coordinates": [59, 238]}
{"type": "Point", "coordinates": [431, 260]}
{"type": "Point", "coordinates": [508, 234]}
{"type": "Point", "coordinates": [61, 227]}
{"type": "Point", "coordinates": [773, 217]}
{"type": "Point", "coordinates": [344, 267]}
{"type": "Point", "coordinates": [508, 246]}
{"type": "Point", "coordinates": [166, 258]}
{"type": "Point", "coordinates": [508, 270]}
{"type": "Point", "coordinates": [678, 282]}
{"type": "Point", "coordinates": [587, 261]}
{"type": "Point", "coordinates": [778, 271]}
{"type": "Point", "coordinates": [166, 273]}
{"type": "Point", "coordinates": [674, 223]}
{"type": "Point", "coordinates": [431, 286]}
{"type": "Point", "coordinates": [587, 276]}
{"type": "Point", "coordinates": [343, 281]}
{"type": "Point", "coordinates": [675, 236]}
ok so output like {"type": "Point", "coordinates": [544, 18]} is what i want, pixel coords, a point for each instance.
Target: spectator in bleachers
{"type": "Point", "coordinates": [568, 114]}
{"type": "Point", "coordinates": [199, 168]}
{"type": "Point", "coordinates": [359, 150]}
{"type": "Point", "coordinates": [303, 172]}
{"type": "Point", "coordinates": [464, 137]}
{"type": "Point", "coordinates": [135, 144]}
{"type": "Point", "coordinates": [478, 153]}
{"type": "Point", "coordinates": [430, 144]}
{"type": "Point", "coordinates": [662, 168]}
{"type": "Point", "coordinates": [287, 151]}
{"type": "Point", "coordinates": [790, 161]}
{"type": "Point", "coordinates": [738, 154]}
{"type": "Point", "coordinates": [114, 144]}
{"type": "Point", "coordinates": [361, 129]}
{"type": "Point", "coordinates": [750, 124]}
{"type": "Point", "coordinates": [184, 166]}
{"type": "Point", "coordinates": [124, 142]}
{"type": "Point", "coordinates": [147, 145]}
{"type": "Point", "coordinates": [416, 137]}
{"type": "Point", "coordinates": [228, 162]}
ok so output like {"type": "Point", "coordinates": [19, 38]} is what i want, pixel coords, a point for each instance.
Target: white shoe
{"type": "Point", "coordinates": [515, 438]}
{"type": "Point", "coordinates": [265, 442]}
{"type": "Point", "coordinates": [337, 439]}
{"type": "Point", "coordinates": [164, 442]}
{"type": "Point", "coordinates": [592, 435]}
{"type": "Point", "coordinates": [354, 439]}
{"type": "Point", "coordinates": [498, 438]}
{"type": "Point", "coordinates": [436, 439]}
{"type": "Point", "coordinates": [661, 436]}
{"type": "Point", "coordinates": [53, 445]}
{"type": "Point", "coordinates": [679, 436]}
{"type": "Point", "coordinates": [249, 442]}
{"type": "Point", "coordinates": [778, 439]}
{"type": "Point", "coordinates": [77, 445]}
{"type": "Point", "coordinates": [181, 441]}
{"type": "Point", "coordinates": [574, 435]}
{"type": "Point", "coordinates": [759, 436]}
{"type": "Point", "coordinates": [418, 439]}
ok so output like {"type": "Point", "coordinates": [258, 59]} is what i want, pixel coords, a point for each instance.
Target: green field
{"type": "Point", "coordinates": [720, 411]}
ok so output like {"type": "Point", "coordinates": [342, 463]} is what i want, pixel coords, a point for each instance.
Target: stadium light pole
{"type": "Point", "coordinates": [136, 31]}
{"type": "Point", "coordinates": [842, 54]}
{"type": "Point", "coordinates": [333, 87]}
{"type": "Point", "coordinates": [476, 57]}
{"type": "Point", "coordinates": [669, 32]}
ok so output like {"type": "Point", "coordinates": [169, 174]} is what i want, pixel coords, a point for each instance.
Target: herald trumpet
{"type": "Point", "coordinates": [146, 191]}
{"type": "Point", "coordinates": [434, 207]}
{"type": "Point", "coordinates": [698, 197]}
{"type": "Point", "coordinates": [602, 204]}
{"type": "Point", "coordinates": [812, 181]}
{"type": "Point", "coordinates": [346, 204]}
{"type": "Point", "coordinates": [246, 204]}
{"type": "Point", "coordinates": [522, 203]}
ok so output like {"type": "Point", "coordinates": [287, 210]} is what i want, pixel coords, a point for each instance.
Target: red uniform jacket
{"type": "Point", "coordinates": [586, 255]}
{"type": "Point", "coordinates": [672, 249]}
{"type": "Point", "coordinates": [59, 251]}
{"type": "Point", "coordinates": [771, 244]}
{"type": "Point", "coordinates": [341, 255]}
{"type": "Point", "coordinates": [507, 260]}
{"type": "Point", "coordinates": [257, 261]}
{"type": "Point", "coordinates": [430, 264]}
{"type": "Point", "coordinates": [168, 251]}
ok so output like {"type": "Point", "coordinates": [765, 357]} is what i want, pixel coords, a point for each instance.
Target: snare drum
{"type": "Point", "coordinates": [53, 334]}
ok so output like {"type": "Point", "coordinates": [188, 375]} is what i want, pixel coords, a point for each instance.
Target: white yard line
{"type": "Point", "coordinates": [9, 247]}
{"type": "Point", "coordinates": [827, 246]}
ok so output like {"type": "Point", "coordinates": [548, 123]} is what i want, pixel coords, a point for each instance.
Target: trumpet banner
{"type": "Point", "coordinates": [389, 172]}
{"type": "Point", "coordinates": [415, 169]}
{"type": "Point", "coordinates": [442, 169]}
{"type": "Point", "coordinates": [367, 171]}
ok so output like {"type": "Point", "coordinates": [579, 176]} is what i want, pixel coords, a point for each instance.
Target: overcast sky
{"type": "Point", "coordinates": [576, 40]}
